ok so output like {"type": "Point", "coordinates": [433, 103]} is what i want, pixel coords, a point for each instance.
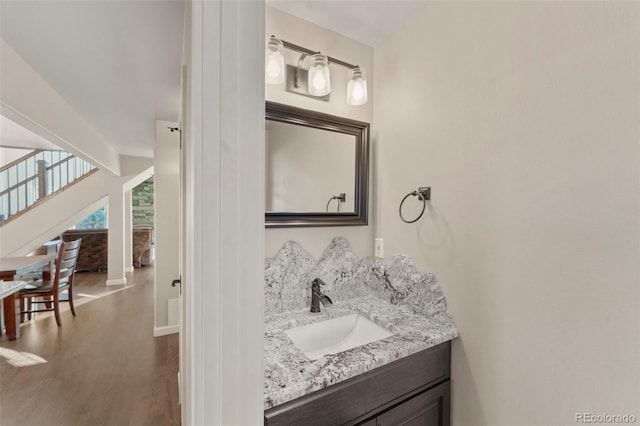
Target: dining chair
{"type": "Point", "coordinates": [47, 292]}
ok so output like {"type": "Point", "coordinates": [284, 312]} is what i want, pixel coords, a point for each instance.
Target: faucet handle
{"type": "Point", "coordinates": [318, 281]}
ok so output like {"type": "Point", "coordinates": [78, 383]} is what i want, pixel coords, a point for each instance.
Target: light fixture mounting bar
{"type": "Point", "coordinates": [301, 49]}
{"type": "Point", "coordinates": [296, 82]}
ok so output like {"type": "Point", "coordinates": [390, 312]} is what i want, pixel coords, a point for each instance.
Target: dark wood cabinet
{"type": "Point", "coordinates": [429, 408]}
{"type": "Point", "coordinates": [414, 390]}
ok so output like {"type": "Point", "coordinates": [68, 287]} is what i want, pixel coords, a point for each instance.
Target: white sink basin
{"type": "Point", "coordinates": [336, 335]}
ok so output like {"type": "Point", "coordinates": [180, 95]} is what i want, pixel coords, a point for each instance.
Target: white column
{"type": "Point", "coordinates": [128, 233]}
{"type": "Point", "coordinates": [224, 286]}
{"type": "Point", "coordinates": [115, 265]}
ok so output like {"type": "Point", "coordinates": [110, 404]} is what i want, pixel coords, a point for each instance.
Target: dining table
{"type": "Point", "coordinates": [11, 306]}
{"type": "Point", "coordinates": [11, 268]}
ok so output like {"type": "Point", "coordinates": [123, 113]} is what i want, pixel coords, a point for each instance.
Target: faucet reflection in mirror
{"type": "Point", "coordinates": [317, 83]}
{"type": "Point", "coordinates": [341, 199]}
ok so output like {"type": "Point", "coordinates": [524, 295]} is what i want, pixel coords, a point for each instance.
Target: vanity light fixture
{"type": "Point", "coordinates": [274, 61]}
{"type": "Point", "coordinates": [319, 80]}
{"type": "Point", "coordinates": [316, 81]}
{"type": "Point", "coordinates": [357, 87]}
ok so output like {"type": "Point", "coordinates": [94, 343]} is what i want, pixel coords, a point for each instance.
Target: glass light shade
{"type": "Point", "coordinates": [274, 61]}
{"type": "Point", "coordinates": [357, 87]}
{"type": "Point", "coordinates": [319, 77]}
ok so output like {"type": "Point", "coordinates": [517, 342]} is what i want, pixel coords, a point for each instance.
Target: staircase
{"type": "Point", "coordinates": [32, 179]}
{"type": "Point", "coordinates": [49, 197]}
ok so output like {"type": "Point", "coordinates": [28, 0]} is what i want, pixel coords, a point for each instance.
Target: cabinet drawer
{"type": "Point", "coordinates": [429, 408]}
{"type": "Point", "coordinates": [362, 396]}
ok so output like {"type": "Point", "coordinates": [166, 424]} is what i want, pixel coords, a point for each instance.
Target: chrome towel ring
{"type": "Point", "coordinates": [424, 194]}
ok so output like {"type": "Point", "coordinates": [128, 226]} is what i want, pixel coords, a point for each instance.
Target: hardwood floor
{"type": "Point", "coordinates": [103, 367]}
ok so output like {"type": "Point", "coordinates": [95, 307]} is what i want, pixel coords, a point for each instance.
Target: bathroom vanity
{"type": "Point", "coordinates": [380, 355]}
{"type": "Point", "coordinates": [392, 381]}
{"type": "Point", "coordinates": [411, 390]}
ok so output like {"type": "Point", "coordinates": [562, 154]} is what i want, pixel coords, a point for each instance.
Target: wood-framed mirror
{"type": "Point", "coordinates": [316, 168]}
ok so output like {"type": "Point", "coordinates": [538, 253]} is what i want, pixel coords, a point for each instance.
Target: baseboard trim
{"type": "Point", "coordinates": [167, 329]}
{"type": "Point", "coordinates": [119, 281]}
{"type": "Point", "coordinates": [128, 269]}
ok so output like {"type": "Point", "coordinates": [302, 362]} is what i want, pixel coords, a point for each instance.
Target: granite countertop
{"type": "Point", "coordinates": [289, 374]}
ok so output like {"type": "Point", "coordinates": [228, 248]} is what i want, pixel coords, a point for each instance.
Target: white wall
{"type": "Point", "coordinates": [167, 226]}
{"type": "Point", "coordinates": [311, 36]}
{"type": "Point", "coordinates": [523, 117]}
{"type": "Point", "coordinates": [116, 241]}
{"type": "Point", "coordinates": [7, 155]}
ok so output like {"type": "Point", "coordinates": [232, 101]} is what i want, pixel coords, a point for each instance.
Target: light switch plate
{"type": "Point", "coordinates": [379, 248]}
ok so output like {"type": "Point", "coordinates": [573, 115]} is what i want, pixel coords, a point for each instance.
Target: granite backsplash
{"type": "Point", "coordinates": [289, 273]}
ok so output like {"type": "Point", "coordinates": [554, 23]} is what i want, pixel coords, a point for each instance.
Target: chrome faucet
{"type": "Point", "coordinates": [317, 296]}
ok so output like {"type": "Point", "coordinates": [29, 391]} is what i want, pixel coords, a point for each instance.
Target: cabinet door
{"type": "Point", "coordinates": [429, 408]}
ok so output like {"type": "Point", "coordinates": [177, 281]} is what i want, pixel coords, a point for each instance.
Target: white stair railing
{"type": "Point", "coordinates": [35, 176]}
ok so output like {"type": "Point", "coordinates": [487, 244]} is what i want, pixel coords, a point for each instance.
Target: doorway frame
{"type": "Point", "coordinates": [223, 287]}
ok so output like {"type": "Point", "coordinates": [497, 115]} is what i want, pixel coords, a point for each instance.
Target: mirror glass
{"type": "Point", "coordinates": [316, 168]}
{"type": "Point", "coordinates": [307, 167]}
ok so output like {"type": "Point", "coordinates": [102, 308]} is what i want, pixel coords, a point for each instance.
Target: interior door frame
{"type": "Point", "coordinates": [183, 348]}
{"type": "Point", "coordinates": [223, 279]}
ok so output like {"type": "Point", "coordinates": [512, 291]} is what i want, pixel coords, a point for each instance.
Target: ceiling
{"type": "Point", "coordinates": [118, 62]}
{"type": "Point", "coordinates": [368, 21]}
